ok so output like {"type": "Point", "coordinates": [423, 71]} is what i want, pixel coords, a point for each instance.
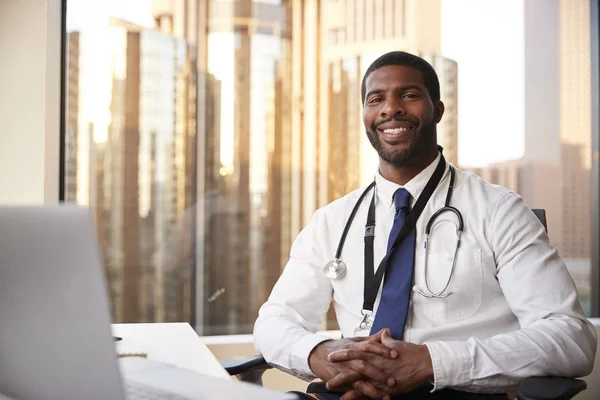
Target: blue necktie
{"type": "Point", "coordinates": [397, 284]}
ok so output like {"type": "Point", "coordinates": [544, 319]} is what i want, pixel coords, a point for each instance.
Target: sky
{"type": "Point", "coordinates": [485, 38]}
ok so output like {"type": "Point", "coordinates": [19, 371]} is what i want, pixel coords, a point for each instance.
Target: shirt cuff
{"type": "Point", "coordinates": [301, 351]}
{"type": "Point", "coordinates": [451, 362]}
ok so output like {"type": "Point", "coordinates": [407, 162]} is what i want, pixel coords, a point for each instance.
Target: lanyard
{"type": "Point", "coordinates": [372, 279]}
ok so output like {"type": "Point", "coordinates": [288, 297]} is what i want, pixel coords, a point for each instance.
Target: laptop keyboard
{"type": "Point", "coordinates": [139, 391]}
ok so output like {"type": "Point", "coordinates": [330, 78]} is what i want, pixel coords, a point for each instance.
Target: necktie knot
{"type": "Point", "coordinates": [402, 199]}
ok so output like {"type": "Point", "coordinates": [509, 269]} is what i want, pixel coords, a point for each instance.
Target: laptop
{"type": "Point", "coordinates": [55, 334]}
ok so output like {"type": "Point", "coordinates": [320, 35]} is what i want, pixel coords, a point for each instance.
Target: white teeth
{"type": "Point", "coordinates": [396, 130]}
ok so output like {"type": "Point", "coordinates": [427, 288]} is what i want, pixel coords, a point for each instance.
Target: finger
{"type": "Point", "coordinates": [370, 371]}
{"type": "Point", "coordinates": [347, 355]}
{"type": "Point", "coordinates": [386, 337]}
{"type": "Point", "coordinates": [362, 338]}
{"type": "Point", "coordinates": [377, 336]}
{"type": "Point", "coordinates": [388, 341]}
{"type": "Point", "coordinates": [342, 379]}
{"type": "Point", "coordinates": [357, 354]}
{"type": "Point", "coordinates": [369, 390]}
{"type": "Point", "coordinates": [373, 347]}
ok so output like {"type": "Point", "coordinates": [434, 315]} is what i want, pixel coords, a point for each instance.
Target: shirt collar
{"type": "Point", "coordinates": [386, 189]}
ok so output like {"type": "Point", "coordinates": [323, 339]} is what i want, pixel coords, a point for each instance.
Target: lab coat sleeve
{"type": "Point", "coordinates": [555, 338]}
{"type": "Point", "coordinates": [285, 331]}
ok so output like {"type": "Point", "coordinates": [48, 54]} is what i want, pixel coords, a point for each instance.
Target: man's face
{"type": "Point", "coordinates": [399, 115]}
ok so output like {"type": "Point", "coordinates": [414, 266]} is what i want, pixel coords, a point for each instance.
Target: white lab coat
{"type": "Point", "coordinates": [515, 312]}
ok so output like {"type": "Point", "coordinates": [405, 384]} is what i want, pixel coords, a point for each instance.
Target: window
{"type": "Point", "coordinates": [205, 137]}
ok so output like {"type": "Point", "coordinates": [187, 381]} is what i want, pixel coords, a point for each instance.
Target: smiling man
{"type": "Point", "coordinates": [444, 286]}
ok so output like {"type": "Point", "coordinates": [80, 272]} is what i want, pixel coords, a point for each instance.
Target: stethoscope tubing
{"type": "Point", "coordinates": [428, 293]}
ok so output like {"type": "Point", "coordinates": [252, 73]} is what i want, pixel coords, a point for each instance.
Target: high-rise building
{"type": "Point", "coordinates": [134, 116]}
{"type": "Point", "coordinates": [541, 159]}
{"type": "Point", "coordinates": [575, 129]}
{"type": "Point", "coordinates": [447, 129]}
{"type": "Point", "coordinates": [575, 216]}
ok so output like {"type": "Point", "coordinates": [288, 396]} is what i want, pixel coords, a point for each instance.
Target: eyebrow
{"type": "Point", "coordinates": [401, 88]}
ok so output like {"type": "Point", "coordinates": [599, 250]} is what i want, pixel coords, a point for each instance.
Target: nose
{"type": "Point", "coordinates": [391, 108]}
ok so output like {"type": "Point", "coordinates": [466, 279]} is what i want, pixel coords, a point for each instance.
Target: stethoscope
{"type": "Point", "coordinates": [336, 269]}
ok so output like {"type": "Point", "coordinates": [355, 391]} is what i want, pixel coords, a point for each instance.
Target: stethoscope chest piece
{"type": "Point", "coordinates": [335, 269]}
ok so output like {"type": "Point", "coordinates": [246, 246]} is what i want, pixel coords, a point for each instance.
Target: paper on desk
{"type": "Point", "coordinates": [171, 343]}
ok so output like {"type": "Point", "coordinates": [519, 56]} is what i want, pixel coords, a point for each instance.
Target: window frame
{"type": "Point", "coordinates": [595, 172]}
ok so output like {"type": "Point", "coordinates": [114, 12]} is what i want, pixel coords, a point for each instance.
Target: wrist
{"type": "Point", "coordinates": [427, 365]}
{"type": "Point", "coordinates": [316, 356]}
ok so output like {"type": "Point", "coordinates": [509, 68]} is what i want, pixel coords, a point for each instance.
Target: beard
{"type": "Point", "coordinates": [420, 143]}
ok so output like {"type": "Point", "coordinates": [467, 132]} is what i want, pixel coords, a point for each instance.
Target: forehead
{"type": "Point", "coordinates": [394, 76]}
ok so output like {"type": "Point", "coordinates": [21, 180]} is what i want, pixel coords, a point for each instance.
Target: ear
{"type": "Point", "coordinates": [438, 111]}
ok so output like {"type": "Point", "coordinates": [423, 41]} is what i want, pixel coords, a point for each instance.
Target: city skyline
{"type": "Point", "coordinates": [495, 19]}
{"type": "Point", "coordinates": [206, 143]}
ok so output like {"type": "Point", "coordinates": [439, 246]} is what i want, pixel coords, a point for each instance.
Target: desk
{"type": "Point", "coordinates": [171, 343]}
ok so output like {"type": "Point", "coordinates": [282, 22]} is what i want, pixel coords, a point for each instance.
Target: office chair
{"type": "Point", "coordinates": [251, 369]}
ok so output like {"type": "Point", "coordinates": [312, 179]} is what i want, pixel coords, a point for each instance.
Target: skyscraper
{"type": "Point", "coordinates": [447, 129]}
{"type": "Point", "coordinates": [131, 114]}
{"type": "Point", "coordinates": [541, 161]}
{"type": "Point", "coordinates": [575, 128]}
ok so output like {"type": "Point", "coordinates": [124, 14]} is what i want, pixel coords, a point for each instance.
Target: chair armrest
{"type": "Point", "coordinates": [247, 369]}
{"type": "Point", "coordinates": [550, 388]}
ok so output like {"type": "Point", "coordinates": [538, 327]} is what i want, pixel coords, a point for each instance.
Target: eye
{"type": "Point", "coordinates": [410, 96]}
{"type": "Point", "coordinates": [375, 100]}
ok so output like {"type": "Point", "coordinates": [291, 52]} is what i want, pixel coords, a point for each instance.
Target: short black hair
{"type": "Point", "coordinates": [430, 78]}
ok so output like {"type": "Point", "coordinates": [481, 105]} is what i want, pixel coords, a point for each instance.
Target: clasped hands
{"type": "Point", "coordinates": [374, 367]}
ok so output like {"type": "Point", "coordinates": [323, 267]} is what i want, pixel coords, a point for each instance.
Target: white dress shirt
{"type": "Point", "coordinates": [514, 313]}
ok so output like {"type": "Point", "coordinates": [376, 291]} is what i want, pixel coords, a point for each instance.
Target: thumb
{"type": "Point", "coordinates": [386, 337]}
{"type": "Point", "coordinates": [388, 341]}
{"type": "Point", "coordinates": [377, 337]}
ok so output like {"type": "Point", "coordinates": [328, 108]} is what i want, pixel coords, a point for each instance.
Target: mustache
{"type": "Point", "coordinates": [399, 119]}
